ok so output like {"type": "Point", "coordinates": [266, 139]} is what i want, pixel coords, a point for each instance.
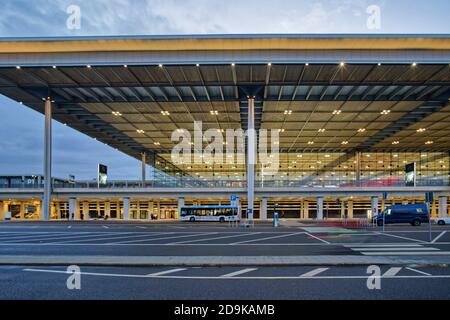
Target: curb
{"type": "Point", "coordinates": [218, 261]}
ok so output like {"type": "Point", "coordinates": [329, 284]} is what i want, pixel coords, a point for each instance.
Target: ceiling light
{"type": "Point", "coordinates": [281, 130]}
{"type": "Point", "coordinates": [337, 112]}
{"type": "Point", "coordinates": [421, 130]}
{"type": "Point", "coordinates": [429, 142]}
{"type": "Point", "coordinates": [214, 112]}
{"type": "Point", "coordinates": [414, 64]}
{"type": "Point", "coordinates": [286, 112]}
{"type": "Point", "coordinates": [379, 64]}
{"type": "Point", "coordinates": [322, 130]}
{"type": "Point", "coordinates": [117, 113]}
{"type": "Point", "coordinates": [233, 64]}
{"type": "Point", "coordinates": [327, 156]}
{"type": "Point", "coordinates": [160, 65]}
{"type": "Point", "coordinates": [344, 142]}
{"type": "Point", "coordinates": [88, 66]}
{"type": "Point", "coordinates": [396, 142]}
{"type": "Point", "coordinates": [342, 64]}
{"type": "Point", "coordinates": [18, 67]}
{"type": "Point", "coordinates": [157, 143]}
{"type": "Point", "coordinates": [140, 131]}
{"type": "Point", "coordinates": [197, 65]}
{"type": "Point", "coordinates": [306, 64]}
{"type": "Point", "coordinates": [310, 142]}
{"type": "Point", "coordinates": [362, 130]}
{"type": "Point", "coordinates": [269, 64]}
{"type": "Point", "coordinates": [165, 113]}
{"type": "Point", "coordinates": [385, 112]}
{"type": "Point", "coordinates": [54, 67]}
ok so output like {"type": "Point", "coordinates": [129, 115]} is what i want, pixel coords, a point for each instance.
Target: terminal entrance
{"type": "Point", "coordinates": [298, 208]}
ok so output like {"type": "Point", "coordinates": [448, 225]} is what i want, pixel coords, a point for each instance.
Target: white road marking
{"type": "Point", "coordinates": [439, 236]}
{"type": "Point", "coordinates": [314, 272]}
{"type": "Point", "coordinates": [35, 237]}
{"type": "Point", "coordinates": [392, 272]}
{"type": "Point", "coordinates": [416, 253]}
{"type": "Point", "coordinates": [106, 227]}
{"type": "Point", "coordinates": [167, 238]}
{"type": "Point", "coordinates": [156, 274]}
{"type": "Point", "coordinates": [395, 249]}
{"type": "Point", "coordinates": [61, 239]}
{"type": "Point", "coordinates": [141, 227]}
{"type": "Point", "coordinates": [69, 227]}
{"type": "Point", "coordinates": [237, 278]}
{"type": "Point", "coordinates": [216, 238]}
{"type": "Point", "coordinates": [400, 237]}
{"type": "Point", "coordinates": [239, 272]}
{"type": "Point", "coordinates": [369, 245]}
{"type": "Point", "coordinates": [309, 234]}
{"type": "Point", "coordinates": [418, 271]}
{"type": "Point", "coordinates": [111, 236]}
{"type": "Point", "coordinates": [268, 238]}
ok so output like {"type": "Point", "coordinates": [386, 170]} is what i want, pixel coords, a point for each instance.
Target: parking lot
{"type": "Point", "coordinates": [216, 239]}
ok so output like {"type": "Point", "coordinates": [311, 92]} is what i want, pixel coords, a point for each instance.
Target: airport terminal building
{"type": "Point", "coordinates": [360, 122]}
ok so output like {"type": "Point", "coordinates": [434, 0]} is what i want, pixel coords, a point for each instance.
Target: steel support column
{"type": "Point", "coordinates": [144, 164]}
{"type": "Point", "coordinates": [251, 157]}
{"type": "Point", "coordinates": [126, 209]}
{"type": "Point", "coordinates": [443, 207]}
{"type": "Point", "coordinates": [320, 208]}
{"type": "Point", "coordinates": [47, 160]}
{"type": "Point", "coordinates": [264, 209]}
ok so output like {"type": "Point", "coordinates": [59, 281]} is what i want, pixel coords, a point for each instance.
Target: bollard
{"type": "Point", "coordinates": [275, 219]}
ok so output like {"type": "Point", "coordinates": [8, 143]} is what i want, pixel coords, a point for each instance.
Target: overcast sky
{"type": "Point", "coordinates": [21, 129]}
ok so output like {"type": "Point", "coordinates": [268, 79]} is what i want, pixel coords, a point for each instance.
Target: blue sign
{"type": "Point", "coordinates": [233, 198]}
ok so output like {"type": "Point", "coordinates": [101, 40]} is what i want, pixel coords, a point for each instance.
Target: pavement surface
{"type": "Point", "coordinates": [215, 261]}
{"type": "Point", "coordinates": [225, 283]}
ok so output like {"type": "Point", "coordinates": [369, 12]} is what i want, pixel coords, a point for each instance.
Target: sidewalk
{"type": "Point", "coordinates": [216, 261]}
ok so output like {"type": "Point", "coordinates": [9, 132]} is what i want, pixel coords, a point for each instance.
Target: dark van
{"type": "Point", "coordinates": [414, 214]}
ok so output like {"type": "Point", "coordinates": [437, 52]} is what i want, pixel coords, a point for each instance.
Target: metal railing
{"type": "Point", "coordinates": [224, 183]}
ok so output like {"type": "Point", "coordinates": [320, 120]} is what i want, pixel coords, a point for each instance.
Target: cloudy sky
{"type": "Point", "coordinates": [21, 130]}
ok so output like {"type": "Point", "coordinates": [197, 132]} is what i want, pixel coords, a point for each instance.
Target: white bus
{"type": "Point", "coordinates": [210, 213]}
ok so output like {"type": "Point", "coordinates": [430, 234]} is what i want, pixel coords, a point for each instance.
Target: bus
{"type": "Point", "coordinates": [209, 213]}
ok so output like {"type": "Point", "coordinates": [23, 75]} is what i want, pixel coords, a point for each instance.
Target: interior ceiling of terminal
{"type": "Point", "coordinates": [316, 108]}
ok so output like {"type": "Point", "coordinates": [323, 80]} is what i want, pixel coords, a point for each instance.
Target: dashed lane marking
{"type": "Point", "coordinates": [268, 238]}
{"type": "Point", "coordinates": [162, 273]}
{"type": "Point", "coordinates": [418, 271]}
{"type": "Point", "coordinates": [314, 272]}
{"type": "Point", "coordinates": [237, 273]}
{"type": "Point", "coordinates": [439, 236]}
{"type": "Point", "coordinates": [392, 272]}
{"type": "Point", "coordinates": [166, 238]}
{"type": "Point", "coordinates": [322, 240]}
{"type": "Point", "coordinates": [110, 237]}
{"type": "Point", "coordinates": [216, 238]}
{"type": "Point", "coordinates": [169, 276]}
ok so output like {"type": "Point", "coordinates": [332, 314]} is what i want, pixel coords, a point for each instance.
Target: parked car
{"type": "Point", "coordinates": [414, 214]}
{"type": "Point", "coordinates": [442, 221]}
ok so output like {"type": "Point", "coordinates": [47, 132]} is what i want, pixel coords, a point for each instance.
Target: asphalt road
{"type": "Point", "coordinates": [236, 283]}
{"type": "Point", "coordinates": [184, 239]}
{"type": "Point", "coordinates": [292, 283]}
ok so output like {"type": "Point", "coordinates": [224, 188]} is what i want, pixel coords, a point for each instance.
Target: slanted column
{"type": "Point", "coordinates": [144, 163]}
{"type": "Point", "coordinates": [108, 209]}
{"type": "Point", "coordinates": [251, 157]}
{"type": "Point", "coordinates": [180, 205]}
{"type": "Point", "coordinates": [264, 209]}
{"type": "Point", "coordinates": [374, 206]}
{"type": "Point", "coordinates": [342, 209]}
{"type": "Point", "coordinates": [306, 209]}
{"type": "Point", "coordinates": [320, 208]}
{"type": "Point", "coordinates": [350, 209]}
{"type": "Point", "coordinates": [443, 207]}
{"type": "Point", "coordinates": [47, 160]}
{"type": "Point", "coordinates": [3, 209]}
{"type": "Point", "coordinates": [72, 208]}
{"type": "Point", "coordinates": [126, 209]}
